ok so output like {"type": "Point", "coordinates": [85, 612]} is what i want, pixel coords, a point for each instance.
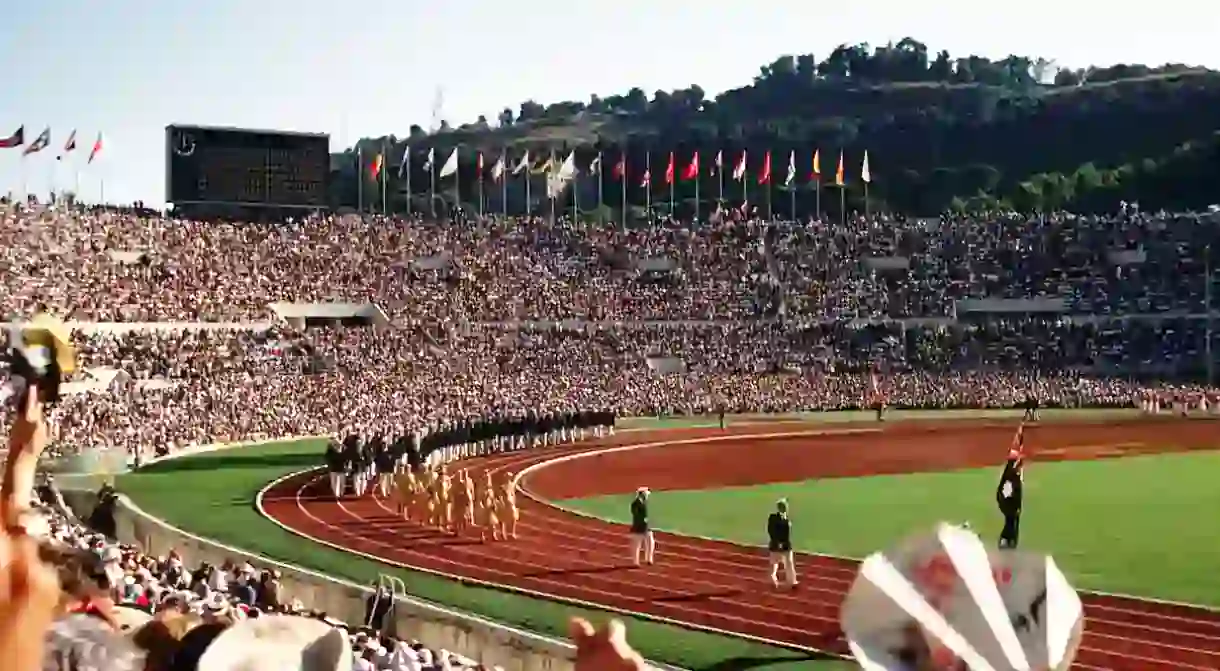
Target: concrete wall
{"type": "Point", "coordinates": [479, 639]}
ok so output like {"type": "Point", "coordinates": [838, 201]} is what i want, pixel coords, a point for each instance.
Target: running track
{"type": "Point", "coordinates": [698, 583]}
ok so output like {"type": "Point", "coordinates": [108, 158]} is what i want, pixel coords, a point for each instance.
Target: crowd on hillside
{"type": "Point", "coordinates": [117, 266]}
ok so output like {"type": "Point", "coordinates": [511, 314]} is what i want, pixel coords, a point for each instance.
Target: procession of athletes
{"type": "Point", "coordinates": [356, 459]}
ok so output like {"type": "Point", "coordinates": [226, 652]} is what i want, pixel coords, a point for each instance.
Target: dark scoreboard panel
{"type": "Point", "coordinates": [245, 167]}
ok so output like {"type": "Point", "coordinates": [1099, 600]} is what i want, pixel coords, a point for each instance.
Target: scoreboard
{"type": "Point", "coordinates": [234, 166]}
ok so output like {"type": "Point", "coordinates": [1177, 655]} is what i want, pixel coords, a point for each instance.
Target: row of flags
{"type": "Point", "coordinates": [561, 173]}
{"type": "Point", "coordinates": [43, 141]}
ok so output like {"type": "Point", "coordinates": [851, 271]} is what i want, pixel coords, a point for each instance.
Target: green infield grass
{"type": "Point", "coordinates": [212, 495]}
{"type": "Point", "coordinates": [1139, 525]}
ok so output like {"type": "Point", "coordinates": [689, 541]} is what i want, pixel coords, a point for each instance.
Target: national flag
{"type": "Point", "coordinates": [620, 168]}
{"type": "Point", "coordinates": [404, 166]}
{"type": "Point", "coordinates": [791, 169]}
{"type": "Point", "coordinates": [68, 146]}
{"type": "Point", "coordinates": [451, 165]}
{"type": "Point", "coordinates": [692, 168]}
{"type": "Point", "coordinates": [375, 166]}
{"type": "Point", "coordinates": [97, 148]}
{"type": "Point", "coordinates": [497, 170]}
{"type": "Point", "coordinates": [15, 140]}
{"type": "Point", "coordinates": [522, 165]}
{"type": "Point", "coordinates": [646, 180]}
{"type": "Point", "coordinates": [595, 168]}
{"type": "Point", "coordinates": [817, 166]}
{"type": "Point", "coordinates": [1017, 451]}
{"type": "Point", "coordinates": [41, 142]}
{"type": "Point", "coordinates": [669, 169]}
{"type": "Point", "coordinates": [840, 180]}
{"type": "Point", "coordinates": [718, 164]}
{"type": "Point", "coordinates": [558, 181]}
{"type": "Point", "coordinates": [764, 176]}
{"type": "Point", "coordinates": [479, 164]}
{"type": "Point", "coordinates": [739, 171]}
{"type": "Point", "coordinates": [865, 176]}
{"type": "Point", "coordinates": [546, 166]}
{"type": "Point", "coordinates": [430, 162]}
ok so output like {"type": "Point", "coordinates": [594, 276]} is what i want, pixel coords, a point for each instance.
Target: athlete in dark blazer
{"type": "Point", "coordinates": [334, 467]}
{"type": "Point", "coordinates": [1009, 491]}
{"type": "Point", "coordinates": [641, 533]}
{"type": "Point", "coordinates": [779, 544]}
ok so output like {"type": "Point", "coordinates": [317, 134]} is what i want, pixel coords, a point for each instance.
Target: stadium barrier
{"type": "Point", "coordinates": [488, 642]}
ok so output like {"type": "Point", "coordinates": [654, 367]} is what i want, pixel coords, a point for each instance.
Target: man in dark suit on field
{"type": "Point", "coordinates": [779, 544]}
{"type": "Point", "coordinates": [641, 533]}
{"type": "Point", "coordinates": [1009, 491]}
{"type": "Point", "coordinates": [334, 467]}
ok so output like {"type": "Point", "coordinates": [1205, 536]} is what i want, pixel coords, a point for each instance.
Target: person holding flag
{"type": "Point", "coordinates": [1009, 491]}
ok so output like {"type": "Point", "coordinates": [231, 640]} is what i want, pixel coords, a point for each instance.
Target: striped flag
{"type": "Point", "coordinates": [68, 146]}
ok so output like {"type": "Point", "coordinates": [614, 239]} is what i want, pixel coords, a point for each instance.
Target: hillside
{"type": "Point", "coordinates": [941, 132]}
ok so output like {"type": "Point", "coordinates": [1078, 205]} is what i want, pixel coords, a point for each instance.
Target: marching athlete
{"type": "Point", "coordinates": [506, 507]}
{"type": "Point", "coordinates": [463, 502]}
{"type": "Point", "coordinates": [1009, 491]}
{"type": "Point", "coordinates": [334, 467]}
{"type": "Point", "coordinates": [641, 535]}
{"type": "Point", "coordinates": [406, 487]}
{"type": "Point", "coordinates": [486, 510]}
{"type": "Point", "coordinates": [779, 544]}
{"type": "Point", "coordinates": [384, 462]}
{"type": "Point", "coordinates": [444, 498]}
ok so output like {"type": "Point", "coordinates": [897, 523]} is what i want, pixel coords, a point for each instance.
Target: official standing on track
{"type": "Point", "coordinates": [1009, 491]}
{"type": "Point", "coordinates": [779, 544]}
{"type": "Point", "coordinates": [641, 534]}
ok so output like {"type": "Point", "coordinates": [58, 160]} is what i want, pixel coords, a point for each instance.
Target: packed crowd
{"type": "Point", "coordinates": [117, 266]}
{"type": "Point", "coordinates": [301, 382]}
{"type": "Point", "coordinates": [123, 609]}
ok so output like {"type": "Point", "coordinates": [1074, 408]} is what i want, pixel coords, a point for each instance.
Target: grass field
{"type": "Point", "coordinates": [1141, 525]}
{"type": "Point", "coordinates": [212, 495]}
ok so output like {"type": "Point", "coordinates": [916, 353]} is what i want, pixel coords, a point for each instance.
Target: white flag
{"type": "Point", "coordinates": [405, 165]}
{"type": "Point", "coordinates": [595, 168]}
{"type": "Point", "coordinates": [557, 181]}
{"type": "Point", "coordinates": [523, 165]}
{"type": "Point", "coordinates": [791, 169]}
{"type": "Point", "coordinates": [718, 164]}
{"type": "Point", "coordinates": [497, 170]}
{"type": "Point", "coordinates": [431, 160]}
{"type": "Point", "coordinates": [450, 167]}
{"type": "Point", "coordinates": [739, 171]}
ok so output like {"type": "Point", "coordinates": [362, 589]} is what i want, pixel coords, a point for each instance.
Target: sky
{"type": "Point", "coordinates": [128, 68]}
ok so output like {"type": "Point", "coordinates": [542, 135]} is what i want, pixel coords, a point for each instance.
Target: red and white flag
{"type": "Point", "coordinates": [97, 148]}
{"type": "Point", "coordinates": [620, 168]}
{"type": "Point", "coordinates": [718, 164]}
{"type": "Point", "coordinates": [739, 172]}
{"type": "Point", "coordinates": [497, 170]}
{"type": "Point", "coordinates": [647, 178]}
{"type": "Point", "coordinates": [692, 168]}
{"type": "Point", "coordinates": [764, 177]}
{"type": "Point", "coordinates": [669, 169]}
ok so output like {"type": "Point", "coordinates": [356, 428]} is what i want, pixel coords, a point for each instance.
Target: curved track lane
{"type": "Point", "coordinates": [702, 583]}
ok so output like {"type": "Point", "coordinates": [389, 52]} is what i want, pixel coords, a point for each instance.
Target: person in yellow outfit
{"type": "Point", "coordinates": [506, 495]}
{"type": "Point", "coordinates": [444, 499]}
{"type": "Point", "coordinates": [489, 518]}
{"type": "Point", "coordinates": [405, 485]}
{"type": "Point", "coordinates": [463, 501]}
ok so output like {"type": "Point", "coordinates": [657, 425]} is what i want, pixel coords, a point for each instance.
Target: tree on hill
{"type": "Point", "coordinates": [941, 131]}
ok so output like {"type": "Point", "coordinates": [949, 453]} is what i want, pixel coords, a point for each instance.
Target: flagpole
{"type": "Point", "coordinates": [673, 182]}
{"type": "Point", "coordinates": [601, 190]}
{"type": "Point", "coordinates": [648, 186]}
{"type": "Point", "coordinates": [504, 181]}
{"type": "Point", "coordinates": [550, 167]}
{"type": "Point", "coordinates": [480, 167]}
{"type": "Point", "coordinates": [407, 163]}
{"type": "Point", "coordinates": [528, 173]}
{"type": "Point", "coordinates": [720, 174]}
{"type": "Point", "coordinates": [792, 204]}
{"type": "Point", "coordinates": [817, 186]}
{"type": "Point", "coordinates": [360, 180]}
{"type": "Point", "coordinates": [867, 208]}
{"type": "Point", "coordinates": [101, 188]}
{"type": "Point", "coordinates": [457, 182]}
{"type": "Point", "coordinates": [432, 182]}
{"type": "Point", "coordinates": [385, 154]}
{"type": "Point", "coordinates": [698, 174]}
{"type": "Point", "coordinates": [770, 214]}
{"type": "Point", "coordinates": [843, 204]}
{"type": "Point", "coordinates": [622, 178]}
{"type": "Point", "coordinates": [575, 191]}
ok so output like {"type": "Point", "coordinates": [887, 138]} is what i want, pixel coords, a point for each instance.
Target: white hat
{"type": "Point", "coordinates": [276, 642]}
{"type": "Point", "coordinates": [642, 490]}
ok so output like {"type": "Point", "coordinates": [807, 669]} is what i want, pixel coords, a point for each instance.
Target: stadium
{"type": "Point", "coordinates": [872, 371]}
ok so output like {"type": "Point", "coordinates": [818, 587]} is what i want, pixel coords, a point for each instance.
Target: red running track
{"type": "Point", "coordinates": [698, 583]}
